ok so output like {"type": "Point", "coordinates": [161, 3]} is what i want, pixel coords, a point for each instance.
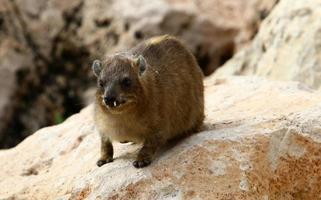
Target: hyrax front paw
{"type": "Point", "coordinates": [101, 162]}
{"type": "Point", "coordinates": [141, 163]}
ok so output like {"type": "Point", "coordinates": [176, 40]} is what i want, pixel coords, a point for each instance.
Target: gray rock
{"type": "Point", "coordinates": [287, 46]}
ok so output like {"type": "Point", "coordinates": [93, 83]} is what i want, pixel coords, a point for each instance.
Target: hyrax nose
{"type": "Point", "coordinates": [110, 100]}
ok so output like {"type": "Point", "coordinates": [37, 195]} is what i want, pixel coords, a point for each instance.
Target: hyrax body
{"type": "Point", "coordinates": [149, 95]}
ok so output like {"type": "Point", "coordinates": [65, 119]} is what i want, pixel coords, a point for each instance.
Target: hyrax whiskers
{"type": "Point", "coordinates": [149, 94]}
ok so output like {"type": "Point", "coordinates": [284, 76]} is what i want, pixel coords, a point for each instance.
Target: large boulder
{"type": "Point", "coordinates": [47, 46]}
{"type": "Point", "coordinates": [261, 140]}
{"type": "Point", "coordinates": [287, 47]}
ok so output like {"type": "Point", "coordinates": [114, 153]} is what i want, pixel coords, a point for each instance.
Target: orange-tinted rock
{"type": "Point", "coordinates": [261, 140]}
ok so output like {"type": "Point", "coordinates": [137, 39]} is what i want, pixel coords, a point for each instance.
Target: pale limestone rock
{"type": "Point", "coordinates": [261, 140]}
{"type": "Point", "coordinates": [287, 46]}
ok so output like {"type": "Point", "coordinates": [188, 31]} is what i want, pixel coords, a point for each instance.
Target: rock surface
{"type": "Point", "coordinates": [287, 47]}
{"type": "Point", "coordinates": [261, 140]}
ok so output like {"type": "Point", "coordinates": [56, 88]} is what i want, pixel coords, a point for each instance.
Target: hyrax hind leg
{"type": "Point", "coordinates": [198, 126]}
{"type": "Point", "coordinates": [106, 151]}
{"type": "Point", "coordinates": [147, 152]}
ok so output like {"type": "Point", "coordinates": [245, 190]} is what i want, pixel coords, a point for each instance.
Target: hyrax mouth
{"type": "Point", "coordinates": [114, 104]}
{"type": "Point", "coordinates": [117, 103]}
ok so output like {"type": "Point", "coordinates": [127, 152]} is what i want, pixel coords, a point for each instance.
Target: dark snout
{"type": "Point", "coordinates": [110, 100]}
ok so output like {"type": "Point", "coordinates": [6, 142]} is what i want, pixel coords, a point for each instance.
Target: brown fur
{"type": "Point", "coordinates": [166, 100]}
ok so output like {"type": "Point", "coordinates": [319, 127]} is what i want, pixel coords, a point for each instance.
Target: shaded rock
{"type": "Point", "coordinates": [213, 30]}
{"type": "Point", "coordinates": [13, 57]}
{"type": "Point", "coordinates": [47, 67]}
{"type": "Point", "coordinates": [287, 46]}
{"type": "Point", "coordinates": [263, 143]}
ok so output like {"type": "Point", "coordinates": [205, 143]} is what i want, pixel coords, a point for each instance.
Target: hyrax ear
{"type": "Point", "coordinates": [140, 63]}
{"type": "Point", "coordinates": [96, 67]}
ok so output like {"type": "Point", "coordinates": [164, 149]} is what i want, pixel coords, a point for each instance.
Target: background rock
{"type": "Point", "coordinates": [287, 47]}
{"type": "Point", "coordinates": [43, 69]}
{"type": "Point", "coordinates": [213, 30]}
{"type": "Point", "coordinates": [47, 46]}
{"type": "Point", "coordinates": [263, 143]}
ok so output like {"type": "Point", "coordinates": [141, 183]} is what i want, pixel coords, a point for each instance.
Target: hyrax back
{"type": "Point", "coordinates": [150, 94]}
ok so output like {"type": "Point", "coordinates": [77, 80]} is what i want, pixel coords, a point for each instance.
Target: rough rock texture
{"type": "Point", "coordinates": [211, 29]}
{"type": "Point", "coordinates": [261, 141]}
{"type": "Point", "coordinates": [46, 47]}
{"type": "Point", "coordinates": [287, 47]}
{"type": "Point", "coordinates": [43, 69]}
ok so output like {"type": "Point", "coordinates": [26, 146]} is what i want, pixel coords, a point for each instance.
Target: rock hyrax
{"type": "Point", "coordinates": [149, 94]}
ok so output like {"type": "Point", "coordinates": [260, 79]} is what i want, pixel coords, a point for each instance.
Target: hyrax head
{"type": "Point", "coordinates": [118, 82]}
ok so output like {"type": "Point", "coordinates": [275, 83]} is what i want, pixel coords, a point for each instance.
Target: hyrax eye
{"type": "Point", "coordinates": [126, 82]}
